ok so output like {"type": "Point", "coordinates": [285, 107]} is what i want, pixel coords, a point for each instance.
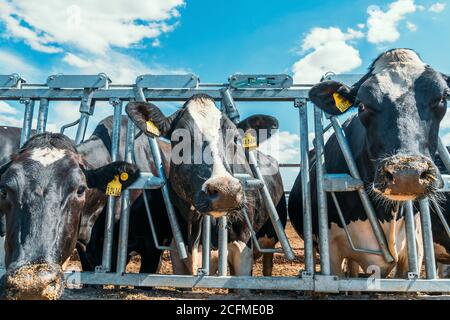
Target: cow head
{"type": "Point", "coordinates": [205, 144]}
{"type": "Point", "coordinates": [44, 189]}
{"type": "Point", "coordinates": [401, 102]}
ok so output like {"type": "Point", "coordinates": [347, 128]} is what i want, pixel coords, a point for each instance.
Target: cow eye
{"type": "Point", "coordinates": [81, 190]}
{"type": "Point", "coordinates": [3, 193]}
{"type": "Point", "coordinates": [361, 107]}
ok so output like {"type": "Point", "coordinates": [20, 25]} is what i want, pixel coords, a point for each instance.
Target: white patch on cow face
{"type": "Point", "coordinates": [47, 156]}
{"type": "Point", "coordinates": [397, 71]}
{"type": "Point", "coordinates": [207, 119]}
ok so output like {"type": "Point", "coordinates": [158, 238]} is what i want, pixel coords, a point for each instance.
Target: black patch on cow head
{"type": "Point", "coordinates": [99, 178]}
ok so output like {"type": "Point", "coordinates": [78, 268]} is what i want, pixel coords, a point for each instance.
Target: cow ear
{"type": "Point", "coordinates": [259, 122]}
{"type": "Point", "coordinates": [99, 178]}
{"type": "Point", "coordinates": [149, 118]}
{"type": "Point", "coordinates": [332, 97]}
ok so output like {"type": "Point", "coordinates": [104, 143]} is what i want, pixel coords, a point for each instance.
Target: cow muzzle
{"type": "Point", "coordinates": [402, 178]}
{"type": "Point", "coordinates": [220, 196]}
{"type": "Point", "coordinates": [35, 282]}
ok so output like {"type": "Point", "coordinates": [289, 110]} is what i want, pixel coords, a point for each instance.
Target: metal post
{"type": "Point", "coordinates": [126, 205]}
{"type": "Point", "coordinates": [110, 212]}
{"type": "Point", "coordinates": [273, 214]}
{"type": "Point", "coordinates": [86, 110]}
{"type": "Point", "coordinates": [443, 152]}
{"type": "Point", "coordinates": [42, 116]}
{"type": "Point", "coordinates": [427, 235]}
{"type": "Point", "coordinates": [228, 105]}
{"type": "Point", "coordinates": [411, 240]}
{"type": "Point", "coordinates": [176, 232]}
{"type": "Point", "coordinates": [306, 187]}
{"type": "Point", "coordinates": [324, 245]}
{"type": "Point", "coordinates": [2, 253]}
{"type": "Point", "coordinates": [27, 120]}
{"type": "Point", "coordinates": [206, 244]}
{"type": "Point", "coordinates": [370, 211]}
{"type": "Point", "coordinates": [223, 246]}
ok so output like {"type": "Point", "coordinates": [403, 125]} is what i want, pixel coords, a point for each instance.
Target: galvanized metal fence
{"type": "Point", "coordinates": [89, 89]}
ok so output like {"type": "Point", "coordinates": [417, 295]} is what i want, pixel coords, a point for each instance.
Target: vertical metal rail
{"type": "Point", "coordinates": [86, 110]}
{"type": "Point", "coordinates": [273, 214]}
{"type": "Point", "coordinates": [411, 240]}
{"type": "Point", "coordinates": [443, 152]}
{"type": "Point", "coordinates": [42, 116]}
{"type": "Point", "coordinates": [370, 211]}
{"type": "Point", "coordinates": [427, 236]}
{"type": "Point", "coordinates": [111, 204]}
{"type": "Point", "coordinates": [306, 187]}
{"type": "Point", "coordinates": [206, 245]}
{"type": "Point", "coordinates": [27, 120]}
{"type": "Point", "coordinates": [176, 232]}
{"type": "Point", "coordinates": [324, 245]}
{"type": "Point", "coordinates": [223, 246]}
{"type": "Point", "coordinates": [126, 206]}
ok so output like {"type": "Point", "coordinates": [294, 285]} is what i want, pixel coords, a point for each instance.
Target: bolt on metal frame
{"type": "Point", "coordinates": [91, 89]}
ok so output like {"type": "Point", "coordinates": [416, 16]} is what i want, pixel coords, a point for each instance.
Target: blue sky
{"type": "Point", "coordinates": [213, 39]}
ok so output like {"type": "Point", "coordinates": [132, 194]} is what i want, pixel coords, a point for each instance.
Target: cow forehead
{"type": "Point", "coordinates": [206, 117]}
{"type": "Point", "coordinates": [47, 156]}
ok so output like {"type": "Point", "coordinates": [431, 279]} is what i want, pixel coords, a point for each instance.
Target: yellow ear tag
{"type": "Point", "coordinates": [114, 188]}
{"type": "Point", "coordinates": [341, 103]}
{"type": "Point", "coordinates": [249, 141]}
{"type": "Point", "coordinates": [124, 176]}
{"type": "Point", "coordinates": [152, 128]}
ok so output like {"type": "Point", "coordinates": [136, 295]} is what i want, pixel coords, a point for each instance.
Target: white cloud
{"type": "Point", "coordinates": [330, 52]}
{"type": "Point", "coordinates": [5, 108]}
{"type": "Point", "coordinates": [383, 25]}
{"type": "Point", "coordinates": [119, 67]}
{"type": "Point", "coordinates": [411, 26]}
{"type": "Point", "coordinates": [283, 146]}
{"type": "Point", "coordinates": [361, 25]}
{"type": "Point", "coordinates": [90, 25]}
{"type": "Point", "coordinates": [446, 139]}
{"type": "Point", "coordinates": [13, 63]}
{"type": "Point", "coordinates": [437, 7]}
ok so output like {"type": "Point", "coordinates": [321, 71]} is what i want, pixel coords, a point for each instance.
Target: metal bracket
{"type": "Point", "coordinates": [260, 81]}
{"type": "Point", "coordinates": [412, 276]}
{"type": "Point", "coordinates": [99, 269]}
{"type": "Point", "coordinates": [328, 284]}
{"type": "Point", "coordinates": [179, 81]}
{"type": "Point", "coordinates": [300, 103]}
{"type": "Point", "coordinates": [59, 81]}
{"type": "Point", "coordinates": [11, 81]}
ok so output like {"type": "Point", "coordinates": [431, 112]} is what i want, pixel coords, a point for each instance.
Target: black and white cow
{"type": "Point", "coordinates": [401, 102]}
{"type": "Point", "coordinates": [44, 190]}
{"type": "Point", "coordinates": [202, 178]}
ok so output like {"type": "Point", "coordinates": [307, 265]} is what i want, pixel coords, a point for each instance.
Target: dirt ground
{"type": "Point", "coordinates": [282, 267]}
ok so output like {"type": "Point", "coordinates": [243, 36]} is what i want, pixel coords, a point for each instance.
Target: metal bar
{"type": "Point", "coordinates": [206, 244]}
{"type": "Point", "coordinates": [42, 116]}
{"type": "Point", "coordinates": [347, 233]}
{"type": "Point", "coordinates": [443, 152]}
{"type": "Point", "coordinates": [86, 110]}
{"type": "Point", "coordinates": [176, 232]}
{"type": "Point", "coordinates": [228, 105]}
{"type": "Point", "coordinates": [411, 238]}
{"type": "Point", "coordinates": [126, 204]}
{"type": "Point", "coordinates": [223, 246]}
{"type": "Point", "coordinates": [427, 235]}
{"type": "Point", "coordinates": [324, 245]}
{"type": "Point", "coordinates": [438, 211]}
{"type": "Point", "coordinates": [200, 281]}
{"type": "Point", "coordinates": [306, 188]}
{"type": "Point", "coordinates": [370, 211]}
{"type": "Point", "coordinates": [257, 283]}
{"type": "Point", "coordinates": [27, 121]}
{"type": "Point", "coordinates": [111, 204]}
{"type": "Point", "coordinates": [152, 226]}
{"type": "Point", "coordinates": [253, 235]}
{"type": "Point", "coordinates": [156, 94]}
{"type": "Point", "coordinates": [69, 125]}
{"type": "Point", "coordinates": [273, 214]}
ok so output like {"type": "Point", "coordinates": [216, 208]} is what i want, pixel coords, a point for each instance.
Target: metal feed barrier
{"type": "Point", "coordinates": [89, 89]}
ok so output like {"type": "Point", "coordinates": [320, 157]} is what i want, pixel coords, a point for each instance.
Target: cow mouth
{"type": "Point", "coordinates": [35, 282]}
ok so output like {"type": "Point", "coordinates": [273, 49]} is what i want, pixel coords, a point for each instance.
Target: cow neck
{"type": "Point", "coordinates": [94, 152]}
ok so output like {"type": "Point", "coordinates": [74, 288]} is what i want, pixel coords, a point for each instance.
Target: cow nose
{"type": "Point", "coordinates": [35, 282]}
{"type": "Point", "coordinates": [406, 178]}
{"type": "Point", "coordinates": [223, 193]}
